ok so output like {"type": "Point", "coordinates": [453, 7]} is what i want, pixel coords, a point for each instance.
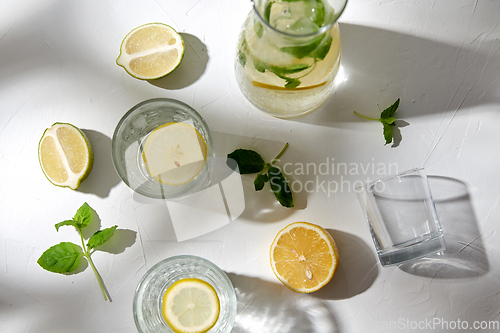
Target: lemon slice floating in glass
{"type": "Point", "coordinates": [151, 51]}
{"type": "Point", "coordinates": [191, 306]}
{"type": "Point", "coordinates": [174, 153]}
{"type": "Point", "coordinates": [304, 257]}
{"type": "Point", "coordinates": [65, 155]}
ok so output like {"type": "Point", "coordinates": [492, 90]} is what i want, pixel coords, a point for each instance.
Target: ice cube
{"type": "Point", "coordinates": [303, 26]}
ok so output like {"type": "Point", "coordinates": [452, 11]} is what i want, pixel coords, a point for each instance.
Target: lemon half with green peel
{"type": "Point", "coordinates": [191, 306]}
{"type": "Point", "coordinates": [151, 51]}
{"type": "Point", "coordinates": [65, 155]}
{"type": "Point", "coordinates": [174, 153]}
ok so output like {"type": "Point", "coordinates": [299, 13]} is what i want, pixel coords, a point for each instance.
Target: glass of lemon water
{"type": "Point", "coordinates": [162, 148]}
{"type": "Point", "coordinates": [148, 307]}
{"type": "Point", "coordinates": [288, 54]}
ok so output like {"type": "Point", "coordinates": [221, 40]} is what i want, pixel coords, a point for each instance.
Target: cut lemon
{"type": "Point", "coordinates": [151, 51]}
{"type": "Point", "coordinates": [174, 153]}
{"type": "Point", "coordinates": [191, 306]}
{"type": "Point", "coordinates": [304, 257]}
{"type": "Point", "coordinates": [65, 155]}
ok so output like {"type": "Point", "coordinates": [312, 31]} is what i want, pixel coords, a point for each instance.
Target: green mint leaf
{"type": "Point", "coordinates": [292, 83]}
{"type": "Point", "coordinates": [318, 13]}
{"type": "Point", "coordinates": [322, 50]}
{"type": "Point", "coordinates": [83, 216]}
{"type": "Point", "coordinates": [389, 112]}
{"type": "Point", "coordinates": [389, 120]}
{"type": "Point", "coordinates": [286, 70]}
{"type": "Point", "coordinates": [280, 187]}
{"type": "Point", "coordinates": [242, 58]}
{"type": "Point", "coordinates": [62, 258]}
{"type": "Point", "coordinates": [247, 161]}
{"type": "Point", "coordinates": [267, 13]}
{"type": "Point", "coordinates": [387, 133]}
{"type": "Point", "coordinates": [101, 237]}
{"type": "Point", "coordinates": [259, 29]}
{"type": "Point", "coordinates": [260, 181]}
{"type": "Point", "coordinates": [302, 51]}
{"type": "Point", "coordinates": [67, 222]}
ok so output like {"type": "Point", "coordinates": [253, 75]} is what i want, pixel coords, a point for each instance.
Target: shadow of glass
{"type": "Point", "coordinates": [103, 176]}
{"type": "Point", "coordinates": [265, 307]}
{"type": "Point", "coordinates": [465, 254]}
{"type": "Point", "coordinates": [358, 268]}
{"type": "Point", "coordinates": [190, 69]}
{"type": "Point", "coordinates": [429, 76]}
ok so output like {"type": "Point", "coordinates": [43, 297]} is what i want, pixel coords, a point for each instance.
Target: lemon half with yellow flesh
{"type": "Point", "coordinates": [191, 306]}
{"type": "Point", "coordinates": [65, 155]}
{"type": "Point", "coordinates": [151, 51]}
{"type": "Point", "coordinates": [174, 153]}
{"type": "Point", "coordinates": [304, 257]}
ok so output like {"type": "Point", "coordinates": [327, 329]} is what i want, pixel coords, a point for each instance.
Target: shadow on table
{"type": "Point", "coordinates": [103, 176]}
{"type": "Point", "coordinates": [379, 66]}
{"type": "Point", "coordinates": [357, 270]}
{"type": "Point", "coordinates": [465, 255]}
{"type": "Point", "coordinates": [191, 68]}
{"type": "Point", "coordinates": [265, 307]}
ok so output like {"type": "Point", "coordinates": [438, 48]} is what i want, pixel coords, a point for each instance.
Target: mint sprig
{"type": "Point", "coordinates": [65, 257]}
{"type": "Point", "coordinates": [250, 162]}
{"type": "Point", "coordinates": [387, 119]}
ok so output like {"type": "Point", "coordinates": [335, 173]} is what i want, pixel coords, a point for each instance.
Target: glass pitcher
{"type": "Point", "coordinates": [288, 54]}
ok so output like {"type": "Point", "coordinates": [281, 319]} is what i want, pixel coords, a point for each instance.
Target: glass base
{"type": "Point", "coordinates": [402, 253]}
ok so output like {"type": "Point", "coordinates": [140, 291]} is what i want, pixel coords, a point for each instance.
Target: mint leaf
{"type": "Point", "coordinates": [247, 161]}
{"type": "Point", "coordinates": [252, 161]}
{"type": "Point", "coordinates": [67, 222]}
{"type": "Point", "coordinates": [267, 12]}
{"type": "Point", "coordinates": [387, 120]}
{"type": "Point", "coordinates": [101, 237]}
{"type": "Point", "coordinates": [280, 187]}
{"type": "Point", "coordinates": [260, 181]}
{"type": "Point", "coordinates": [66, 257]}
{"type": "Point", "coordinates": [302, 51]}
{"type": "Point", "coordinates": [62, 258]}
{"type": "Point", "coordinates": [387, 133]}
{"type": "Point", "coordinates": [83, 216]}
{"type": "Point", "coordinates": [389, 112]}
{"type": "Point", "coordinates": [259, 29]}
{"type": "Point", "coordinates": [292, 83]}
{"type": "Point", "coordinates": [242, 58]}
{"type": "Point", "coordinates": [322, 50]}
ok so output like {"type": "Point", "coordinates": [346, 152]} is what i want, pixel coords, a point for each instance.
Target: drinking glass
{"type": "Point", "coordinates": [401, 217]}
{"type": "Point", "coordinates": [128, 144]}
{"type": "Point", "coordinates": [148, 298]}
{"type": "Point", "coordinates": [288, 54]}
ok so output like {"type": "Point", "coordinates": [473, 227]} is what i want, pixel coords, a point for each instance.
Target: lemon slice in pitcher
{"type": "Point", "coordinates": [151, 51]}
{"type": "Point", "coordinates": [174, 153]}
{"type": "Point", "coordinates": [191, 306]}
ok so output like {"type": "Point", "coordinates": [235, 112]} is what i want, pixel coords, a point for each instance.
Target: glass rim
{"type": "Point", "coordinates": [367, 185]}
{"type": "Point", "coordinates": [321, 30]}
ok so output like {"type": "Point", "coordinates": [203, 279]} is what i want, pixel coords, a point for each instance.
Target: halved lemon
{"type": "Point", "coordinates": [304, 257]}
{"type": "Point", "coordinates": [191, 306]}
{"type": "Point", "coordinates": [65, 155]}
{"type": "Point", "coordinates": [174, 153]}
{"type": "Point", "coordinates": [151, 51]}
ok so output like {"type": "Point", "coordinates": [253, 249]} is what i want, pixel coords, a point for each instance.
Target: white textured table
{"type": "Point", "coordinates": [442, 58]}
